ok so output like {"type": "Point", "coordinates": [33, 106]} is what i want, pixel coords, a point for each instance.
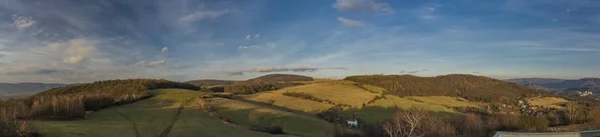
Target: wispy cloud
{"type": "Point", "coordinates": [22, 22]}
{"type": "Point", "coordinates": [362, 5]}
{"type": "Point", "coordinates": [150, 63]}
{"type": "Point", "coordinates": [29, 71]}
{"type": "Point", "coordinates": [413, 71]}
{"type": "Point", "coordinates": [428, 13]}
{"type": "Point", "coordinates": [256, 36]}
{"type": "Point", "coordinates": [213, 44]}
{"type": "Point", "coordinates": [200, 15]}
{"type": "Point", "coordinates": [164, 49]}
{"type": "Point", "coordinates": [77, 50]}
{"type": "Point", "coordinates": [250, 36]}
{"type": "Point", "coordinates": [570, 49]}
{"type": "Point", "coordinates": [283, 69]}
{"type": "Point", "coordinates": [248, 47]}
{"type": "Point", "coordinates": [350, 22]}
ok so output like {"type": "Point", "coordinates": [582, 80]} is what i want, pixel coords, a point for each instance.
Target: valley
{"type": "Point", "coordinates": [291, 105]}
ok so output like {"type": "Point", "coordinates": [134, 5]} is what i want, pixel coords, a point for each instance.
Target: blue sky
{"type": "Point", "coordinates": [73, 41]}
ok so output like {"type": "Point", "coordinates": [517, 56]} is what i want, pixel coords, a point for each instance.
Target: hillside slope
{"type": "Point", "coordinates": [266, 83]}
{"type": "Point", "coordinates": [151, 117]}
{"type": "Point", "coordinates": [15, 89]}
{"type": "Point", "coordinates": [323, 96]}
{"type": "Point", "coordinates": [211, 82]}
{"type": "Point", "coordinates": [175, 112]}
{"type": "Point", "coordinates": [280, 78]}
{"type": "Point", "coordinates": [71, 102]}
{"type": "Point", "coordinates": [584, 84]}
{"type": "Point", "coordinates": [470, 87]}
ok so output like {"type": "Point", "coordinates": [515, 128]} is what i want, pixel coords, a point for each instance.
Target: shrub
{"type": "Point", "coordinates": [407, 123]}
{"type": "Point", "coordinates": [280, 78]}
{"type": "Point", "coordinates": [17, 129]}
{"type": "Point", "coordinates": [272, 129]}
{"type": "Point", "coordinates": [204, 104]}
{"type": "Point", "coordinates": [271, 101]}
{"type": "Point", "coordinates": [375, 99]}
{"type": "Point", "coordinates": [341, 132]}
{"type": "Point", "coordinates": [71, 102]}
{"type": "Point", "coordinates": [255, 87]}
{"type": "Point", "coordinates": [521, 123]}
{"type": "Point", "coordinates": [471, 124]}
{"type": "Point", "coordinates": [313, 98]}
{"type": "Point", "coordinates": [594, 116]}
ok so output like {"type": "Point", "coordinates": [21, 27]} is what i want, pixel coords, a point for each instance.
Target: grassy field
{"type": "Point", "coordinates": [445, 101]}
{"type": "Point", "coordinates": [372, 88]}
{"type": "Point", "coordinates": [342, 92]}
{"type": "Point", "coordinates": [348, 92]}
{"type": "Point", "coordinates": [548, 102]}
{"type": "Point", "coordinates": [289, 102]}
{"type": "Point", "coordinates": [245, 114]}
{"type": "Point", "coordinates": [384, 108]}
{"type": "Point", "coordinates": [151, 117]}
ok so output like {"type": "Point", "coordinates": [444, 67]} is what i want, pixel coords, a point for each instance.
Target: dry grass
{"type": "Point", "coordinates": [548, 102]}
{"type": "Point", "coordinates": [246, 115]}
{"type": "Point", "coordinates": [445, 101]}
{"type": "Point", "coordinates": [237, 105]}
{"type": "Point", "coordinates": [289, 102]}
{"type": "Point", "coordinates": [341, 92]}
{"type": "Point", "coordinates": [373, 88]}
{"type": "Point", "coordinates": [152, 116]}
{"type": "Point", "coordinates": [383, 109]}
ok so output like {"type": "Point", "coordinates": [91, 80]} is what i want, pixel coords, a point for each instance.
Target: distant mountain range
{"type": "Point", "coordinates": [560, 85]}
{"type": "Point", "coordinates": [24, 89]}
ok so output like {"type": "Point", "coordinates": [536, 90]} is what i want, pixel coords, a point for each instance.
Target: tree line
{"type": "Point", "coordinates": [72, 101]}
{"type": "Point", "coordinates": [470, 87]}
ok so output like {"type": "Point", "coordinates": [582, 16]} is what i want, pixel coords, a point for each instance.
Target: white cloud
{"type": "Point", "coordinates": [21, 22]}
{"type": "Point", "coordinates": [164, 49]}
{"type": "Point", "coordinates": [432, 9]}
{"type": "Point", "coordinates": [350, 22]}
{"type": "Point", "coordinates": [248, 47]}
{"type": "Point", "coordinates": [212, 44]}
{"type": "Point", "coordinates": [249, 37]}
{"type": "Point", "coordinates": [77, 50]}
{"type": "Point", "coordinates": [200, 15]}
{"type": "Point", "coordinates": [362, 5]}
{"type": "Point", "coordinates": [283, 69]}
{"type": "Point", "coordinates": [256, 36]}
{"type": "Point", "coordinates": [429, 17]}
{"type": "Point", "coordinates": [428, 13]}
{"type": "Point", "coordinates": [150, 63]}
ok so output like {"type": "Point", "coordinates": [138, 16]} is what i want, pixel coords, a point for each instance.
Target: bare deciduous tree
{"type": "Point", "coordinates": [572, 112]}
{"type": "Point", "coordinates": [405, 123]}
{"type": "Point", "coordinates": [390, 129]}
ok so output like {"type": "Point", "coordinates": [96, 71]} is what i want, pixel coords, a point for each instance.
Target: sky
{"type": "Point", "coordinates": [71, 41]}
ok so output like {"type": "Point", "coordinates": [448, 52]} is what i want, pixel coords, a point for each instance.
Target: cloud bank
{"type": "Point", "coordinates": [362, 5]}
{"type": "Point", "coordinates": [350, 22]}
{"type": "Point", "coordinates": [283, 69]}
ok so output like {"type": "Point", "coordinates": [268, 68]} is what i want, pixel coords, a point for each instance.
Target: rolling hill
{"type": "Point", "coordinates": [294, 104]}
{"type": "Point", "coordinates": [25, 89]}
{"type": "Point", "coordinates": [266, 83]}
{"type": "Point", "coordinates": [280, 78]}
{"type": "Point", "coordinates": [211, 82]}
{"type": "Point", "coordinates": [584, 84]}
{"type": "Point", "coordinates": [367, 102]}
{"type": "Point", "coordinates": [146, 107]}
{"type": "Point", "coordinates": [470, 87]}
{"type": "Point", "coordinates": [173, 112]}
